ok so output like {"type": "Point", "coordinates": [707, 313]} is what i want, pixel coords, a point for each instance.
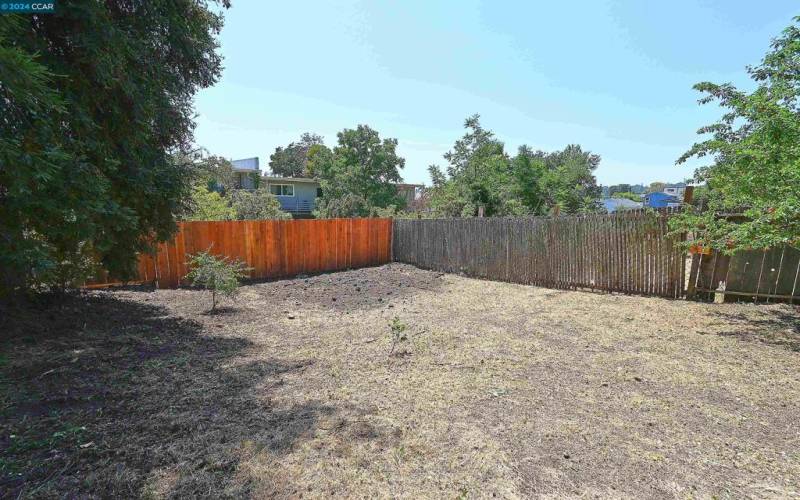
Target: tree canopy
{"type": "Point", "coordinates": [212, 171]}
{"type": "Point", "coordinates": [96, 98]}
{"type": "Point", "coordinates": [627, 195]}
{"type": "Point", "coordinates": [481, 175]}
{"type": "Point", "coordinates": [358, 177]}
{"type": "Point", "coordinates": [208, 205]}
{"type": "Point", "coordinates": [292, 161]}
{"type": "Point", "coordinates": [755, 152]}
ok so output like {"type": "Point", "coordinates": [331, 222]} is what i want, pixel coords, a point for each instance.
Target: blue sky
{"type": "Point", "coordinates": [614, 77]}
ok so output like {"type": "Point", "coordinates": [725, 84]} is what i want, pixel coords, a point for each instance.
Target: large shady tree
{"type": "Point", "coordinates": [95, 102]}
{"type": "Point", "coordinates": [292, 161]}
{"type": "Point", "coordinates": [358, 178]}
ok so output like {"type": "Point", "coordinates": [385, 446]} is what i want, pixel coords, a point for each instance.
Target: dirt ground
{"type": "Point", "coordinates": [499, 390]}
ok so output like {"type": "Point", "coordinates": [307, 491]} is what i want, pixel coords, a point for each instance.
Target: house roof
{"type": "Point", "coordinates": [269, 178]}
{"type": "Point", "coordinates": [308, 180]}
{"type": "Point", "coordinates": [661, 195]}
{"type": "Point", "coordinates": [612, 204]}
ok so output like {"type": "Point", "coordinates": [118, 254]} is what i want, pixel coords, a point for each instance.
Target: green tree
{"type": "Point", "coordinates": [209, 205]}
{"type": "Point", "coordinates": [476, 144]}
{"type": "Point", "coordinates": [478, 176]}
{"type": "Point", "coordinates": [359, 175]}
{"type": "Point", "coordinates": [700, 197]}
{"type": "Point", "coordinates": [627, 195]}
{"type": "Point", "coordinates": [756, 159]}
{"type": "Point", "coordinates": [656, 187]}
{"type": "Point", "coordinates": [319, 155]}
{"type": "Point", "coordinates": [95, 98]}
{"type": "Point", "coordinates": [258, 204]}
{"type": "Point", "coordinates": [214, 172]}
{"type": "Point", "coordinates": [528, 169]}
{"type": "Point", "coordinates": [619, 188]}
{"type": "Point", "coordinates": [292, 161]}
{"type": "Point", "coordinates": [569, 182]}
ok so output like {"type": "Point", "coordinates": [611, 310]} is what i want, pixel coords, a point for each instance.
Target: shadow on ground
{"type": "Point", "coordinates": [777, 325]}
{"type": "Point", "coordinates": [117, 398]}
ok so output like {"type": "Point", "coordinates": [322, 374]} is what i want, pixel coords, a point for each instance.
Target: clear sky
{"type": "Point", "coordinates": [614, 77]}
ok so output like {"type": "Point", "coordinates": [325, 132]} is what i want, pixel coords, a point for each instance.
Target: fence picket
{"type": "Point", "coordinates": [626, 252]}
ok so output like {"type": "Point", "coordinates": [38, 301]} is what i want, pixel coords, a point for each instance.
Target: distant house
{"type": "Point", "coordinates": [297, 195]}
{"type": "Point", "coordinates": [661, 200]}
{"type": "Point", "coordinates": [617, 204]}
{"type": "Point", "coordinates": [246, 172]}
{"type": "Point", "coordinates": [676, 190]}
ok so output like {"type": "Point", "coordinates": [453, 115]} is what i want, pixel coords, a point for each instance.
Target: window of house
{"type": "Point", "coordinates": [281, 189]}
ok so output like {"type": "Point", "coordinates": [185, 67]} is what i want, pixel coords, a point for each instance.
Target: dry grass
{"type": "Point", "coordinates": [499, 390]}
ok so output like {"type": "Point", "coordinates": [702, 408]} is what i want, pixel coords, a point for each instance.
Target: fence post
{"type": "Point", "coordinates": [688, 195]}
{"type": "Point", "coordinates": [391, 239]}
{"type": "Point", "coordinates": [508, 247]}
{"type": "Point", "coordinates": [691, 286]}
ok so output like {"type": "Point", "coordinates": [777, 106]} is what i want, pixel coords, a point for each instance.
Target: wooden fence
{"type": "Point", "coordinates": [627, 252]}
{"type": "Point", "coordinates": [772, 274]}
{"type": "Point", "coordinates": [273, 249]}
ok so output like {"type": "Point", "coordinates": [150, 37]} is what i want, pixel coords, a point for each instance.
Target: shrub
{"type": "Point", "coordinates": [397, 330]}
{"type": "Point", "coordinates": [257, 205]}
{"type": "Point", "coordinates": [217, 274]}
{"type": "Point", "coordinates": [209, 205]}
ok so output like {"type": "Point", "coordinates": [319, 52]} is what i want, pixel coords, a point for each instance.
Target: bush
{"type": "Point", "coordinates": [397, 331]}
{"type": "Point", "coordinates": [257, 205]}
{"type": "Point", "coordinates": [209, 205]}
{"type": "Point", "coordinates": [217, 274]}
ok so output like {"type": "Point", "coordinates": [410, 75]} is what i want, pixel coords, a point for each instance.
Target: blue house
{"type": "Point", "coordinates": [297, 195]}
{"type": "Point", "coordinates": [661, 200]}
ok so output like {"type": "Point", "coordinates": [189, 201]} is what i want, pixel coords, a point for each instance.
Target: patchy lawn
{"type": "Point", "coordinates": [499, 390]}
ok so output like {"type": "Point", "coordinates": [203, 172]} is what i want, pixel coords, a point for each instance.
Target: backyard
{"type": "Point", "coordinates": [498, 390]}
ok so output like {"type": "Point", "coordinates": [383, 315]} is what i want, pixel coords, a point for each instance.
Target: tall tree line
{"type": "Point", "coordinates": [481, 177]}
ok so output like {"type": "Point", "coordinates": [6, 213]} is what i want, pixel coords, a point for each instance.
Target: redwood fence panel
{"type": "Point", "coordinates": [629, 252]}
{"type": "Point", "coordinates": [271, 248]}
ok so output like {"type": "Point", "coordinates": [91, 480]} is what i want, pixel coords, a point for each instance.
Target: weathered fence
{"type": "Point", "coordinates": [272, 249]}
{"type": "Point", "coordinates": [772, 274]}
{"type": "Point", "coordinates": [627, 252]}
